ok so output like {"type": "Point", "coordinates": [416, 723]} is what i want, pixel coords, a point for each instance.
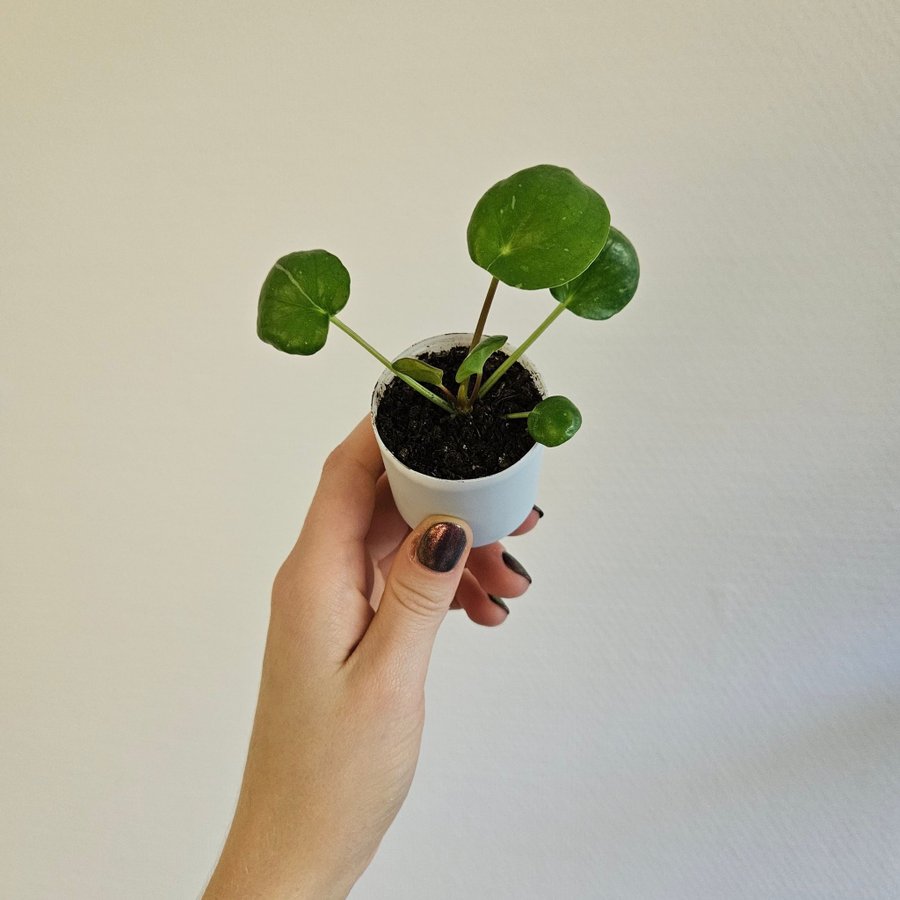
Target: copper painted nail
{"type": "Point", "coordinates": [441, 547]}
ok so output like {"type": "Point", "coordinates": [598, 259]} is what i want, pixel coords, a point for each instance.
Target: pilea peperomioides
{"type": "Point", "coordinates": [540, 228]}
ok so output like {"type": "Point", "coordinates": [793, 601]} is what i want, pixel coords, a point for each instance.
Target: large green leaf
{"type": "Point", "coordinates": [473, 364]}
{"type": "Point", "coordinates": [607, 285]}
{"type": "Point", "coordinates": [538, 228]}
{"type": "Point", "coordinates": [299, 293]}
{"type": "Point", "coordinates": [553, 421]}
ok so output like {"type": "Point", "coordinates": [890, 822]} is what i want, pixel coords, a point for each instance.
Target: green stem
{"type": "Point", "coordinates": [477, 388]}
{"type": "Point", "coordinates": [501, 371]}
{"type": "Point", "coordinates": [462, 398]}
{"type": "Point", "coordinates": [517, 415]}
{"type": "Point", "coordinates": [421, 389]}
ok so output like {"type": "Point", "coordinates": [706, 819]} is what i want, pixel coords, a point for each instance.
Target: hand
{"type": "Point", "coordinates": [355, 610]}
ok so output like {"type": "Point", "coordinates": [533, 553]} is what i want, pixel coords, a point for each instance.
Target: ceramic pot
{"type": "Point", "coordinates": [493, 505]}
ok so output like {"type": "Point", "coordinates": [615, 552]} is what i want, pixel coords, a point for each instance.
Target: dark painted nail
{"type": "Point", "coordinates": [538, 510]}
{"type": "Point", "coordinates": [441, 547]}
{"type": "Point", "coordinates": [512, 563]}
{"type": "Point", "coordinates": [499, 602]}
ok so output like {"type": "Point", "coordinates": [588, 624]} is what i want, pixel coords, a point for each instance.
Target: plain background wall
{"type": "Point", "coordinates": [698, 698]}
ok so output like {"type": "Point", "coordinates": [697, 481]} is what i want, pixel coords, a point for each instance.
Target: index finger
{"type": "Point", "coordinates": [342, 507]}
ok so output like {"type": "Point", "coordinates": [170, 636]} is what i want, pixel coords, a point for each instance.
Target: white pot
{"type": "Point", "coordinates": [493, 505]}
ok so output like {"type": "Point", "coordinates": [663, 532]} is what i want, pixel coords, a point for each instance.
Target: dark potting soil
{"type": "Point", "coordinates": [426, 438]}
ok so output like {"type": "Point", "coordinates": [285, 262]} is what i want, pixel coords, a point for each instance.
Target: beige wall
{"type": "Point", "coordinates": [698, 697]}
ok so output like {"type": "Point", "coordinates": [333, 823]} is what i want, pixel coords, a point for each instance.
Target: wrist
{"type": "Point", "coordinates": [236, 880]}
{"type": "Point", "coordinates": [250, 868]}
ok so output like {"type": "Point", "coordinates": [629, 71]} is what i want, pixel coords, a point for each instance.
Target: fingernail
{"type": "Point", "coordinates": [512, 563]}
{"type": "Point", "coordinates": [499, 602]}
{"type": "Point", "coordinates": [538, 510]}
{"type": "Point", "coordinates": [441, 547]}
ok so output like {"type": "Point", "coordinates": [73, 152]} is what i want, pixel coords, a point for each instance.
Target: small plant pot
{"type": "Point", "coordinates": [493, 505]}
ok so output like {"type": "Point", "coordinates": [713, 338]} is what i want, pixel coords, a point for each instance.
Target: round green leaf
{"type": "Point", "coordinates": [608, 283]}
{"type": "Point", "coordinates": [553, 421]}
{"type": "Point", "coordinates": [473, 364]}
{"type": "Point", "coordinates": [419, 371]}
{"type": "Point", "coordinates": [538, 228]}
{"type": "Point", "coordinates": [299, 293]}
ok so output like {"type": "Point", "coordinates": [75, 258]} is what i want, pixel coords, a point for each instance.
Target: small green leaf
{"type": "Point", "coordinates": [553, 421]}
{"type": "Point", "coordinates": [299, 293]}
{"type": "Point", "coordinates": [538, 228]}
{"type": "Point", "coordinates": [419, 371]}
{"type": "Point", "coordinates": [608, 284]}
{"type": "Point", "coordinates": [473, 364]}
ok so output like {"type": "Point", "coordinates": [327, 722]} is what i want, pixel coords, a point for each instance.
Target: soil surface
{"type": "Point", "coordinates": [426, 438]}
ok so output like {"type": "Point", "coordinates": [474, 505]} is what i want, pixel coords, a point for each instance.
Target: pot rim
{"type": "Point", "coordinates": [386, 377]}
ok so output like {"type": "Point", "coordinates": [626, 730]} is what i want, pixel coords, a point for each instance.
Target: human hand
{"type": "Point", "coordinates": [355, 610]}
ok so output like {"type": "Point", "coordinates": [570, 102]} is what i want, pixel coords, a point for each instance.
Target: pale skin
{"type": "Point", "coordinates": [341, 707]}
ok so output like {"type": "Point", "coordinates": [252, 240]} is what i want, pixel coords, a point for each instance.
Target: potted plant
{"type": "Point", "coordinates": [461, 419]}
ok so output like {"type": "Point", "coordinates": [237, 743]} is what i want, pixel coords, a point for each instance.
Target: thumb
{"type": "Point", "coordinates": [417, 594]}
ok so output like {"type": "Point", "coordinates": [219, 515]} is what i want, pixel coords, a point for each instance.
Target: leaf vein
{"type": "Point", "coordinates": [296, 284]}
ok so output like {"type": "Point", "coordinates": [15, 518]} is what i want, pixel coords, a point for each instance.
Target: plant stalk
{"type": "Point", "coordinates": [479, 330]}
{"type": "Point", "coordinates": [419, 388]}
{"type": "Point", "coordinates": [485, 309]}
{"type": "Point", "coordinates": [522, 415]}
{"type": "Point", "coordinates": [461, 396]}
{"type": "Point", "coordinates": [501, 371]}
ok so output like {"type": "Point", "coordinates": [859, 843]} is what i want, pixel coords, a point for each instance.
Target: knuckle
{"type": "Point", "coordinates": [416, 598]}
{"type": "Point", "coordinates": [335, 461]}
{"type": "Point", "coordinates": [288, 597]}
{"type": "Point", "coordinates": [283, 583]}
{"type": "Point", "coordinates": [340, 465]}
